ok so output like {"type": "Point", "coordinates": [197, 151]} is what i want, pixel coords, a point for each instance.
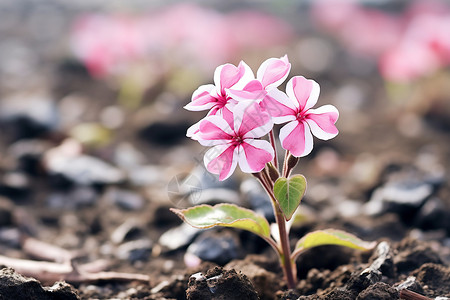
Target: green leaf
{"type": "Point", "coordinates": [332, 237]}
{"type": "Point", "coordinates": [227, 215]}
{"type": "Point", "coordinates": [289, 193]}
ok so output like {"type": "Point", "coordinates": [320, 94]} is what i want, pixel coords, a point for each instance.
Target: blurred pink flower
{"type": "Point", "coordinates": [234, 140]}
{"type": "Point", "coordinates": [176, 36]}
{"type": "Point", "coordinates": [407, 46]}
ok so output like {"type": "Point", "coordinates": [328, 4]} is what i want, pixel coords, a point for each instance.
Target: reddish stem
{"type": "Point", "coordinates": [287, 264]}
{"type": "Point", "coordinates": [410, 295]}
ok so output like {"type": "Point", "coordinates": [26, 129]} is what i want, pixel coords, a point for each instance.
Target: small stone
{"type": "Point", "coordinates": [10, 236]}
{"type": "Point", "coordinates": [125, 199]}
{"type": "Point", "coordinates": [400, 197]}
{"type": "Point", "coordinates": [77, 196]}
{"type": "Point", "coordinates": [217, 247]}
{"type": "Point", "coordinates": [433, 215]}
{"type": "Point", "coordinates": [27, 116]}
{"type": "Point", "coordinates": [67, 160]}
{"type": "Point", "coordinates": [28, 154]}
{"type": "Point", "coordinates": [164, 133]}
{"type": "Point", "coordinates": [138, 250]}
{"type": "Point", "coordinates": [178, 237]}
{"type": "Point", "coordinates": [145, 175]}
{"type": "Point", "coordinates": [125, 231]}
{"type": "Point", "coordinates": [126, 156]}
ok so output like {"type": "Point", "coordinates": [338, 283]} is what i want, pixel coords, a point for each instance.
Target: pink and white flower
{"type": "Point", "coordinates": [270, 75]}
{"type": "Point", "coordinates": [296, 109]}
{"type": "Point", "coordinates": [215, 96]}
{"type": "Point", "coordinates": [234, 140]}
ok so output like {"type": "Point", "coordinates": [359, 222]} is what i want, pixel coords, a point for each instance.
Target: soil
{"type": "Point", "coordinates": [85, 232]}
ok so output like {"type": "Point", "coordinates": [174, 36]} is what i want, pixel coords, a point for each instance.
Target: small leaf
{"type": "Point", "coordinates": [332, 237]}
{"type": "Point", "coordinates": [289, 193]}
{"type": "Point", "coordinates": [227, 215]}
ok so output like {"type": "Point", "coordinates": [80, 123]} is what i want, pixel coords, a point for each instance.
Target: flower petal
{"type": "Point", "coordinates": [254, 154]}
{"type": "Point", "coordinates": [193, 131]}
{"type": "Point", "coordinates": [296, 137]}
{"type": "Point", "coordinates": [250, 121]}
{"type": "Point", "coordinates": [279, 106]}
{"type": "Point", "coordinates": [273, 72]}
{"type": "Point", "coordinates": [227, 75]}
{"type": "Point", "coordinates": [322, 120]}
{"type": "Point", "coordinates": [304, 92]}
{"type": "Point", "coordinates": [221, 160]}
{"type": "Point", "coordinates": [214, 130]}
{"type": "Point", "coordinates": [202, 99]}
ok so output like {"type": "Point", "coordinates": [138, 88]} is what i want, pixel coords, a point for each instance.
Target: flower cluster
{"type": "Point", "coordinates": [243, 108]}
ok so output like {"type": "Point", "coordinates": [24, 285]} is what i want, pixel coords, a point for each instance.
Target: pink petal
{"type": "Point", "coordinates": [221, 160]}
{"type": "Point", "coordinates": [296, 137]}
{"type": "Point", "coordinates": [227, 75]}
{"type": "Point", "coordinates": [254, 154]}
{"type": "Point", "coordinates": [214, 130]}
{"type": "Point", "coordinates": [273, 72]}
{"type": "Point", "coordinates": [202, 99]}
{"type": "Point", "coordinates": [322, 120]}
{"type": "Point", "coordinates": [253, 90]}
{"type": "Point", "coordinates": [304, 92]}
{"type": "Point", "coordinates": [253, 85]}
{"type": "Point", "coordinates": [279, 106]}
{"type": "Point", "coordinates": [227, 114]}
{"type": "Point", "coordinates": [250, 120]}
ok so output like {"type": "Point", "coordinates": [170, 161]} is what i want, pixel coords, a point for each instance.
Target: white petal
{"type": "Point", "coordinates": [218, 169]}
{"type": "Point", "coordinates": [260, 144]}
{"type": "Point", "coordinates": [317, 131]}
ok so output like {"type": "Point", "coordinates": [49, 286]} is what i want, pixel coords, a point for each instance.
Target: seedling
{"type": "Point", "coordinates": [242, 110]}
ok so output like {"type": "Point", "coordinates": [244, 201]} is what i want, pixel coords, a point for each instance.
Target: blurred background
{"type": "Point", "coordinates": [91, 97]}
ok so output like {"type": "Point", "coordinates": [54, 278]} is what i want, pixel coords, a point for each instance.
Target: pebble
{"type": "Point", "coordinates": [125, 199]}
{"type": "Point", "coordinates": [77, 196]}
{"type": "Point", "coordinates": [28, 154]}
{"type": "Point", "coordinates": [218, 247]}
{"type": "Point", "coordinates": [66, 160]}
{"type": "Point", "coordinates": [433, 215]}
{"type": "Point", "coordinates": [10, 236]}
{"type": "Point", "coordinates": [164, 133]}
{"type": "Point", "coordinates": [138, 250]}
{"type": "Point", "coordinates": [398, 197]}
{"type": "Point", "coordinates": [125, 231]}
{"type": "Point", "coordinates": [28, 115]}
{"type": "Point", "coordinates": [15, 185]}
{"type": "Point", "coordinates": [178, 237]}
{"type": "Point", "coordinates": [143, 176]}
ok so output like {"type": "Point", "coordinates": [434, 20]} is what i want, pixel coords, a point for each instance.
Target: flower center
{"type": "Point", "coordinates": [300, 116]}
{"type": "Point", "coordinates": [237, 140]}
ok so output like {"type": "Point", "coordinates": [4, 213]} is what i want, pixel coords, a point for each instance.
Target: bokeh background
{"type": "Point", "coordinates": [92, 125]}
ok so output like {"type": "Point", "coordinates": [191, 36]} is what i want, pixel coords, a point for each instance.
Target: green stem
{"type": "Point", "coordinates": [287, 264]}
